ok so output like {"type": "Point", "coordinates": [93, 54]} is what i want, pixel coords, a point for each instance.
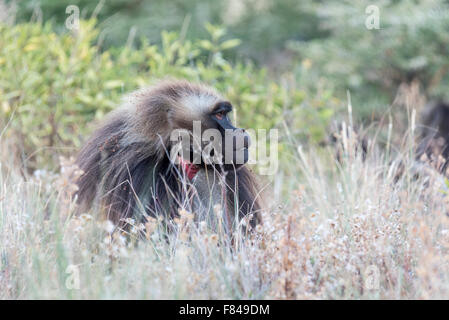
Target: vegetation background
{"type": "Point", "coordinates": [333, 229]}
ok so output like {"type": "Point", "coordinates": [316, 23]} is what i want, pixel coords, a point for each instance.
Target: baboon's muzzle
{"type": "Point", "coordinates": [235, 148]}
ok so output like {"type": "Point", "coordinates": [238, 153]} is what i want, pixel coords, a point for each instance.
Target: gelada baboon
{"type": "Point", "coordinates": [129, 168]}
{"type": "Point", "coordinates": [434, 138]}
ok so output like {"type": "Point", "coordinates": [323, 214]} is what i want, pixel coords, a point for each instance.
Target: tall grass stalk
{"type": "Point", "coordinates": [347, 229]}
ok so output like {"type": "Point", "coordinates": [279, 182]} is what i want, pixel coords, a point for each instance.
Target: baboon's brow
{"type": "Point", "coordinates": [222, 106]}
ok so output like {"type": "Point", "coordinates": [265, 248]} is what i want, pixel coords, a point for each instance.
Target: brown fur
{"type": "Point", "coordinates": [127, 171]}
{"type": "Point", "coordinates": [434, 138]}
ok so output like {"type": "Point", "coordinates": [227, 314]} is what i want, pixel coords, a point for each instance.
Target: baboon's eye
{"type": "Point", "coordinates": [220, 115]}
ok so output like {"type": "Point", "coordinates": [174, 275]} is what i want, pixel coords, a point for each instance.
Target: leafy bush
{"type": "Point", "coordinates": [52, 86]}
{"type": "Point", "coordinates": [263, 26]}
{"type": "Point", "coordinates": [411, 45]}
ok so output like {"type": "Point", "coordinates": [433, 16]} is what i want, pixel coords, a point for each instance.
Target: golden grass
{"type": "Point", "coordinates": [341, 230]}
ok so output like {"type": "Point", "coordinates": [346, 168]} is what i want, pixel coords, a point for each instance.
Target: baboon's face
{"type": "Point", "coordinates": [222, 144]}
{"type": "Point", "coordinates": [235, 141]}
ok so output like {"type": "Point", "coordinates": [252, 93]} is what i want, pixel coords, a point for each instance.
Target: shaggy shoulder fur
{"type": "Point", "coordinates": [126, 165]}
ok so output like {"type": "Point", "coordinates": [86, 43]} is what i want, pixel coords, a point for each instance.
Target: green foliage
{"type": "Point", "coordinates": [52, 86]}
{"type": "Point", "coordinates": [117, 17]}
{"type": "Point", "coordinates": [263, 26]}
{"type": "Point", "coordinates": [266, 26]}
{"type": "Point", "coordinates": [411, 44]}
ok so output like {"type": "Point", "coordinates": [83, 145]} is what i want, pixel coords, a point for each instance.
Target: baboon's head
{"type": "Point", "coordinates": [199, 121]}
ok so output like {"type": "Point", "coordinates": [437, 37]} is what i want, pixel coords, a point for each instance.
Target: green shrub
{"type": "Point", "coordinates": [263, 26]}
{"type": "Point", "coordinates": [411, 46]}
{"type": "Point", "coordinates": [52, 86]}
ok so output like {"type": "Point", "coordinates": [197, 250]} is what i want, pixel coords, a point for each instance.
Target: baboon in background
{"type": "Point", "coordinates": [434, 137]}
{"type": "Point", "coordinates": [128, 171]}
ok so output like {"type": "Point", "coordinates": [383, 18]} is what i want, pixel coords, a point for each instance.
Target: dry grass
{"type": "Point", "coordinates": [345, 230]}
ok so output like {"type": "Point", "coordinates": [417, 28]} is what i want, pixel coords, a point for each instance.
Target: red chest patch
{"type": "Point", "coordinates": [190, 169]}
